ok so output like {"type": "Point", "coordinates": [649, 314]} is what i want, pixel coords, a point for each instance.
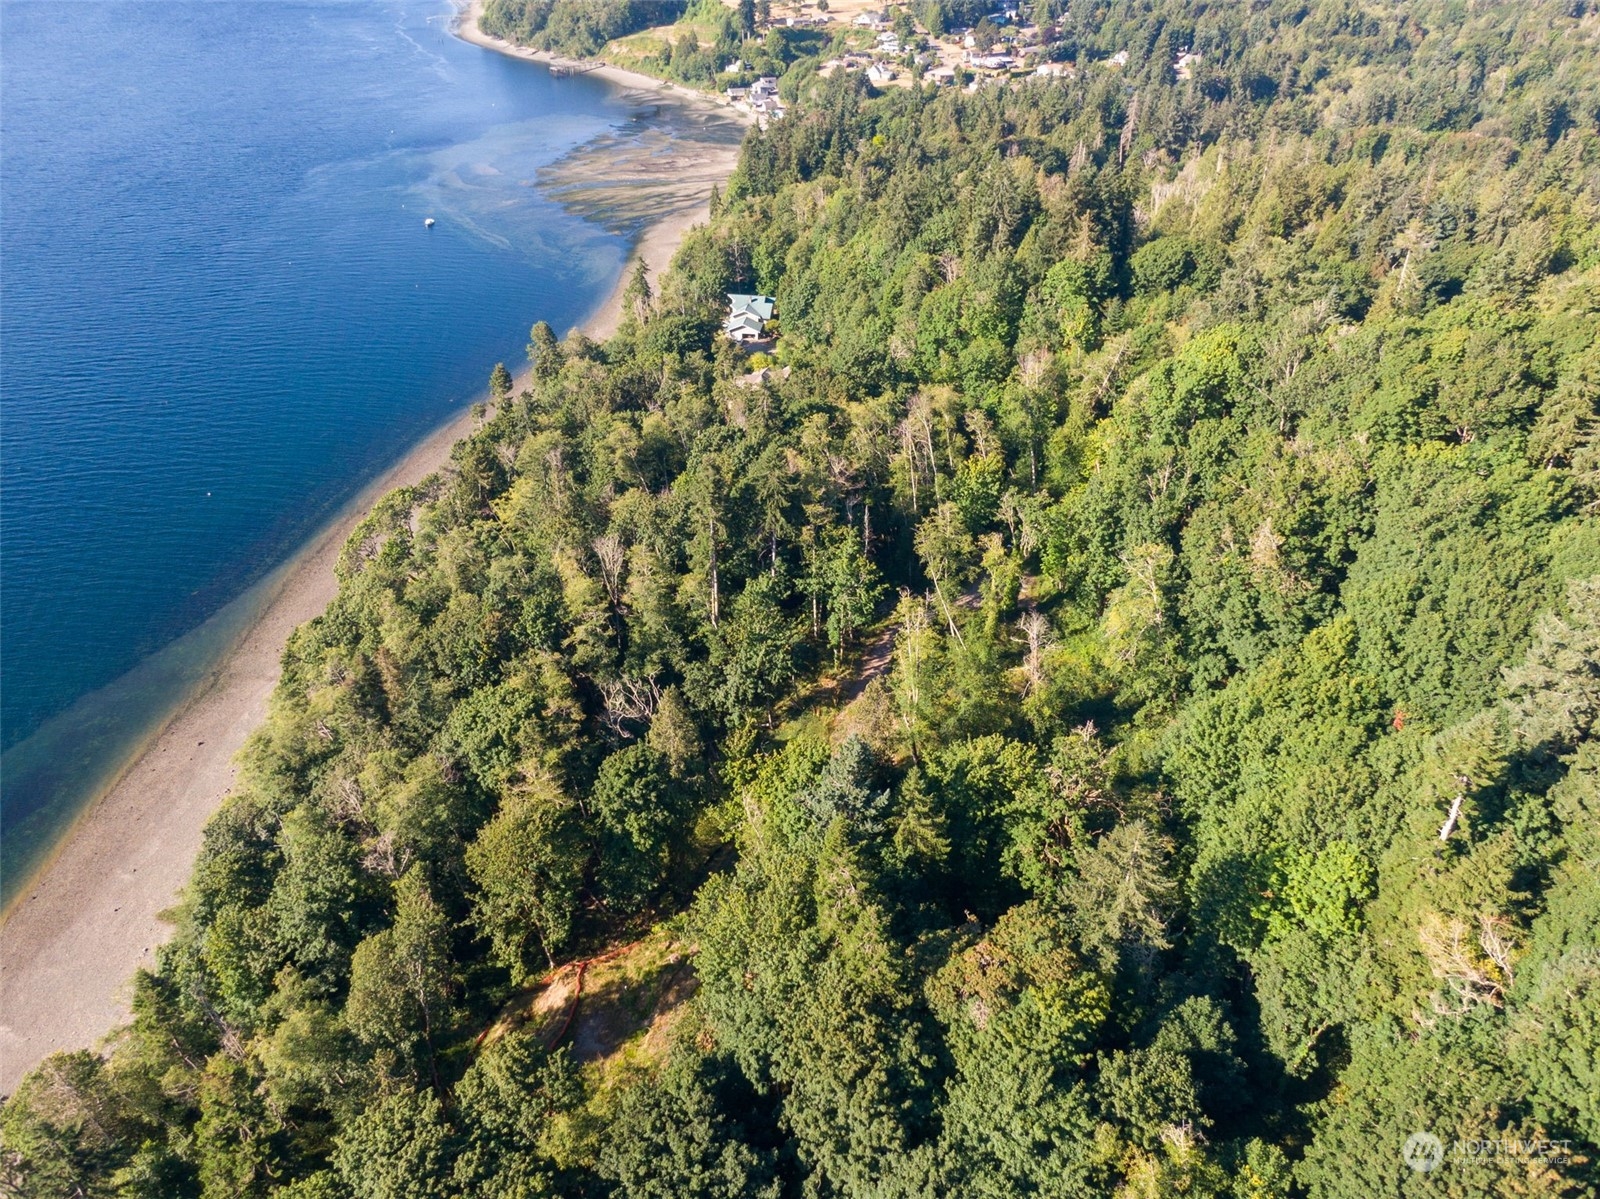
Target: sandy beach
{"type": "Point", "coordinates": [72, 941]}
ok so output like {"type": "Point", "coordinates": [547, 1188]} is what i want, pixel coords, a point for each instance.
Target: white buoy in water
{"type": "Point", "coordinates": [428, 223]}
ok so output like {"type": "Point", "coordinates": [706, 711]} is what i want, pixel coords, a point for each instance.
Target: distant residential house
{"type": "Point", "coordinates": [942, 75]}
{"type": "Point", "coordinates": [1055, 70]}
{"type": "Point", "coordinates": [1119, 59]}
{"type": "Point", "coordinates": [736, 67]}
{"type": "Point", "coordinates": [748, 317]}
{"type": "Point", "coordinates": [889, 43]}
{"type": "Point", "coordinates": [761, 97]}
{"type": "Point", "coordinates": [872, 20]}
{"type": "Point", "coordinates": [761, 306]}
{"type": "Point", "coordinates": [759, 378]}
{"type": "Point", "coordinates": [1184, 64]}
{"type": "Point", "coordinates": [738, 94]}
{"type": "Point", "coordinates": [880, 72]}
{"type": "Point", "coordinates": [742, 327]}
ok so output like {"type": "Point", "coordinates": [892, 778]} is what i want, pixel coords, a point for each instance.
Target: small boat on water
{"type": "Point", "coordinates": [427, 222]}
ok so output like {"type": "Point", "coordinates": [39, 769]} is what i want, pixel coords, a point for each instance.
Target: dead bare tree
{"type": "Point", "coordinates": [1036, 634]}
{"type": "Point", "coordinates": [629, 701]}
{"type": "Point", "coordinates": [1455, 808]}
{"type": "Point", "coordinates": [1475, 969]}
{"type": "Point", "coordinates": [610, 554]}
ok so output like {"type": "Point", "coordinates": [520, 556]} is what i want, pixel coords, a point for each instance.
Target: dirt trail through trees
{"type": "Point", "coordinates": [875, 661]}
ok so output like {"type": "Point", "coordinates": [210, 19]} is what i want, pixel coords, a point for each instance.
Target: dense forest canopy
{"type": "Point", "coordinates": [573, 26]}
{"type": "Point", "coordinates": [1112, 716]}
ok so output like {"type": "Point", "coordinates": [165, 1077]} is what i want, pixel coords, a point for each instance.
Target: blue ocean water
{"type": "Point", "coordinates": [221, 314]}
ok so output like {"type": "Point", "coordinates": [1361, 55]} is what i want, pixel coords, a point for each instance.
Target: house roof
{"type": "Point", "coordinates": [758, 306]}
{"type": "Point", "coordinates": [743, 322]}
{"type": "Point", "coordinates": [765, 375]}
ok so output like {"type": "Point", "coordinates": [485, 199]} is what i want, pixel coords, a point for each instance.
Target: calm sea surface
{"type": "Point", "coordinates": [221, 314]}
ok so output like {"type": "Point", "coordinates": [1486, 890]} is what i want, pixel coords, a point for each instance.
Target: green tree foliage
{"type": "Point", "coordinates": [1120, 896]}
{"type": "Point", "coordinates": [525, 866]}
{"type": "Point", "coordinates": [852, 587]}
{"type": "Point", "coordinates": [685, 1135]}
{"type": "Point", "coordinates": [574, 26]}
{"type": "Point", "coordinates": [399, 1146]}
{"type": "Point", "coordinates": [500, 383]}
{"type": "Point", "coordinates": [544, 351]}
{"type": "Point", "coordinates": [641, 812]}
{"type": "Point", "coordinates": [1023, 1015]}
{"type": "Point", "coordinates": [401, 978]}
{"type": "Point", "coordinates": [506, 1101]}
{"type": "Point", "coordinates": [1215, 809]}
{"type": "Point", "coordinates": [752, 654]}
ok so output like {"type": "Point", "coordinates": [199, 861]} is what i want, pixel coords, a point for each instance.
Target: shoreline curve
{"type": "Point", "coordinates": [91, 914]}
{"type": "Point", "coordinates": [467, 27]}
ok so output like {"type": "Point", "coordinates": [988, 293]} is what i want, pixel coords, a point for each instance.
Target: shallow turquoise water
{"type": "Point", "coordinates": [221, 314]}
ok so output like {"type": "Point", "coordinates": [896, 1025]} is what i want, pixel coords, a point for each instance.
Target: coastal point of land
{"type": "Point", "coordinates": [74, 938]}
{"type": "Point", "coordinates": [468, 29]}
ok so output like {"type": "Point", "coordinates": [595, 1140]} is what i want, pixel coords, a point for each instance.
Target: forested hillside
{"type": "Point", "coordinates": [573, 26]}
{"type": "Point", "coordinates": [1113, 719]}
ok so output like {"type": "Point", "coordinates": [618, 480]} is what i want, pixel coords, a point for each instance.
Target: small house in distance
{"type": "Point", "coordinates": [748, 317]}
